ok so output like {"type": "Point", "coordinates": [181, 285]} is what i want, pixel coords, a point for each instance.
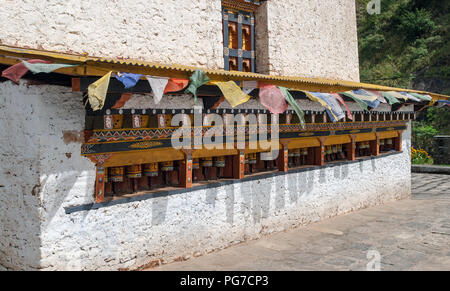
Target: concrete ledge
{"type": "Point", "coordinates": [430, 169]}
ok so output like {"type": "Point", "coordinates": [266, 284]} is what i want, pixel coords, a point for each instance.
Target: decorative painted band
{"type": "Point", "coordinates": [140, 144]}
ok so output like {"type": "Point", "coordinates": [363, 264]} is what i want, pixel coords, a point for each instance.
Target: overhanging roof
{"type": "Point", "coordinates": [98, 66]}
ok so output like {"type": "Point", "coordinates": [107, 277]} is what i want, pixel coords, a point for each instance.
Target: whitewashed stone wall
{"type": "Point", "coordinates": [308, 38]}
{"type": "Point", "coordinates": [42, 173]}
{"type": "Point", "coordinates": [300, 38]}
{"type": "Point", "coordinates": [185, 32]}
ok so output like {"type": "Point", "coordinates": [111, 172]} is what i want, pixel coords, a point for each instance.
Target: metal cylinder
{"type": "Point", "coordinates": [151, 170]}
{"type": "Point", "coordinates": [167, 166]}
{"type": "Point", "coordinates": [116, 174]}
{"type": "Point", "coordinates": [219, 162]}
{"type": "Point", "coordinates": [134, 171]}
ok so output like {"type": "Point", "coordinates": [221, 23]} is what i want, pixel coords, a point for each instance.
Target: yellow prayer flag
{"type": "Point", "coordinates": [232, 93]}
{"type": "Point", "coordinates": [97, 92]}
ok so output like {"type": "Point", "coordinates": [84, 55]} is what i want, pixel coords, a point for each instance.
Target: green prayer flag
{"type": "Point", "coordinates": [45, 68]}
{"type": "Point", "coordinates": [423, 97]}
{"type": "Point", "coordinates": [358, 101]}
{"type": "Point", "coordinates": [290, 99]}
{"type": "Point", "coordinates": [197, 80]}
{"type": "Point", "coordinates": [391, 99]}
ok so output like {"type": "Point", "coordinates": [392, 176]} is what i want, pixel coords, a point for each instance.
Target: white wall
{"type": "Point", "coordinates": [187, 32]}
{"type": "Point", "coordinates": [300, 38]}
{"type": "Point", "coordinates": [308, 38]}
{"type": "Point", "coordinates": [42, 147]}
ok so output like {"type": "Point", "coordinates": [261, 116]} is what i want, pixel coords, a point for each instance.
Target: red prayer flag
{"type": "Point", "coordinates": [272, 98]}
{"type": "Point", "coordinates": [175, 85]}
{"type": "Point", "coordinates": [341, 100]}
{"type": "Point", "coordinates": [17, 71]}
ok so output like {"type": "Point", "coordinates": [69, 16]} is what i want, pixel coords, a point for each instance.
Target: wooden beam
{"type": "Point", "coordinates": [100, 185]}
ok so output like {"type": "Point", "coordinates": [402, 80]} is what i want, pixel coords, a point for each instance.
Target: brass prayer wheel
{"type": "Point", "coordinates": [167, 166]}
{"type": "Point", "coordinates": [382, 142]}
{"type": "Point", "coordinates": [252, 159]}
{"type": "Point", "coordinates": [389, 142]}
{"type": "Point", "coordinates": [335, 149]}
{"type": "Point", "coordinates": [116, 174]}
{"type": "Point", "coordinates": [151, 170]}
{"type": "Point", "coordinates": [207, 162]}
{"type": "Point", "coordinates": [247, 160]}
{"type": "Point", "coordinates": [305, 151]}
{"type": "Point", "coordinates": [196, 164]}
{"type": "Point", "coordinates": [297, 153]}
{"type": "Point", "coordinates": [134, 171]}
{"type": "Point", "coordinates": [329, 150]}
{"type": "Point", "coordinates": [219, 162]}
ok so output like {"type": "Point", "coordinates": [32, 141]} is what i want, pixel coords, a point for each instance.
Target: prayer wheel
{"type": "Point", "coordinates": [116, 174]}
{"type": "Point", "coordinates": [207, 162]}
{"type": "Point", "coordinates": [328, 150]}
{"type": "Point", "coordinates": [291, 154]}
{"type": "Point", "coordinates": [382, 142]}
{"type": "Point", "coordinates": [252, 159]}
{"type": "Point", "coordinates": [151, 170]}
{"type": "Point", "coordinates": [144, 121]}
{"type": "Point", "coordinates": [247, 160]}
{"type": "Point", "coordinates": [389, 142]}
{"type": "Point", "coordinates": [219, 162]}
{"type": "Point", "coordinates": [297, 153]}
{"type": "Point", "coordinates": [196, 164]}
{"type": "Point", "coordinates": [134, 172]}
{"type": "Point", "coordinates": [167, 166]}
{"type": "Point", "coordinates": [305, 152]}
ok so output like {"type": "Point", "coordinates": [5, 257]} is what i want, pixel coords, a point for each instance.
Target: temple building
{"type": "Point", "coordinates": [277, 130]}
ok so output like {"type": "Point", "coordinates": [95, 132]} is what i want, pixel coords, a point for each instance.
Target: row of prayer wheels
{"type": "Point", "coordinates": [363, 149]}
{"type": "Point", "coordinates": [334, 152]}
{"type": "Point", "coordinates": [118, 174]}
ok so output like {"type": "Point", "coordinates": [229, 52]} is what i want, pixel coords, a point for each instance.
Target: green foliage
{"type": "Point", "coordinates": [423, 136]}
{"type": "Point", "coordinates": [408, 41]}
{"type": "Point", "coordinates": [420, 157]}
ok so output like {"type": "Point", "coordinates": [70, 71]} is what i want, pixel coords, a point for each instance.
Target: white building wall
{"type": "Point", "coordinates": [42, 147]}
{"type": "Point", "coordinates": [307, 38]}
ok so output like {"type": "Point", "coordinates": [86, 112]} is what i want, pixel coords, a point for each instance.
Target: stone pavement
{"type": "Point", "coordinates": [409, 235]}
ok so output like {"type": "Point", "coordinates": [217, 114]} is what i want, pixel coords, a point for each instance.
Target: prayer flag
{"type": "Point", "coordinates": [335, 108]}
{"type": "Point", "coordinates": [341, 100]}
{"type": "Point", "coordinates": [249, 86]}
{"type": "Point", "coordinates": [17, 71]}
{"type": "Point", "coordinates": [290, 99]}
{"type": "Point", "coordinates": [129, 80]}
{"type": "Point", "coordinates": [232, 93]}
{"type": "Point", "coordinates": [423, 97]}
{"type": "Point", "coordinates": [322, 102]}
{"type": "Point", "coordinates": [175, 85]}
{"type": "Point", "coordinates": [37, 68]}
{"type": "Point", "coordinates": [272, 98]}
{"type": "Point", "coordinates": [197, 79]}
{"type": "Point", "coordinates": [158, 85]}
{"type": "Point", "coordinates": [391, 99]}
{"type": "Point", "coordinates": [97, 92]}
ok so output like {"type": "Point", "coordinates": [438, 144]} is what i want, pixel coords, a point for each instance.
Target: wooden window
{"type": "Point", "coordinates": [239, 34]}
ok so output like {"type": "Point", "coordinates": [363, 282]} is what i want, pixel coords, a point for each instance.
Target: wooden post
{"type": "Point", "coordinates": [186, 169]}
{"type": "Point", "coordinates": [283, 157]}
{"type": "Point", "coordinates": [100, 185]}
{"type": "Point", "coordinates": [351, 148]}
{"type": "Point", "coordinates": [320, 152]}
{"type": "Point", "coordinates": [375, 145]}
{"type": "Point", "coordinates": [398, 141]}
{"type": "Point", "coordinates": [76, 84]}
{"type": "Point", "coordinates": [239, 165]}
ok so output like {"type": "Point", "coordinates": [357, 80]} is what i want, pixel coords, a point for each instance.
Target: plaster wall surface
{"type": "Point", "coordinates": [42, 148]}
{"type": "Point", "coordinates": [308, 38]}
{"type": "Point", "coordinates": [185, 32]}
{"type": "Point", "coordinates": [300, 38]}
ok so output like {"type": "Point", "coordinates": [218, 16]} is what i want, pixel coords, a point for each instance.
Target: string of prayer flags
{"type": "Point", "coordinates": [290, 99]}
{"type": "Point", "coordinates": [397, 95]}
{"type": "Point", "coordinates": [272, 98]}
{"type": "Point", "coordinates": [391, 99]}
{"type": "Point", "coordinates": [232, 93]}
{"type": "Point", "coordinates": [379, 95]}
{"type": "Point", "coordinates": [442, 103]}
{"type": "Point", "coordinates": [422, 97]}
{"type": "Point", "coordinates": [373, 104]}
{"type": "Point", "coordinates": [97, 92]}
{"type": "Point", "coordinates": [249, 86]}
{"type": "Point", "coordinates": [17, 71]}
{"type": "Point", "coordinates": [129, 80]}
{"type": "Point", "coordinates": [359, 96]}
{"type": "Point", "coordinates": [158, 85]}
{"type": "Point", "coordinates": [197, 80]}
{"type": "Point", "coordinates": [341, 100]}
{"type": "Point", "coordinates": [313, 97]}
{"type": "Point", "coordinates": [336, 109]}
{"type": "Point", "coordinates": [37, 68]}
{"type": "Point", "coordinates": [175, 85]}
{"type": "Point", "coordinates": [410, 97]}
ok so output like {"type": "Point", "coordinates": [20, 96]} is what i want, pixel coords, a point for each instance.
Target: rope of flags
{"type": "Point", "coordinates": [276, 99]}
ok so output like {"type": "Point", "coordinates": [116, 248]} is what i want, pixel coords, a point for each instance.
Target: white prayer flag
{"type": "Point", "coordinates": [158, 85]}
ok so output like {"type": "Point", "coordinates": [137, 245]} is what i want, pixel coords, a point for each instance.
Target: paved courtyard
{"type": "Point", "coordinates": [409, 235]}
